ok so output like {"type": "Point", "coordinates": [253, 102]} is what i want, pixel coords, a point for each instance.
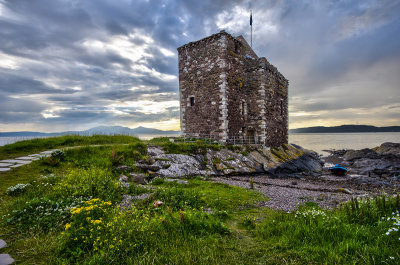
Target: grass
{"type": "Point", "coordinates": [42, 144]}
{"type": "Point", "coordinates": [179, 147]}
{"type": "Point", "coordinates": [70, 215]}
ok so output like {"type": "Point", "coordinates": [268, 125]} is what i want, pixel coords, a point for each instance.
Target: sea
{"type": "Point", "coordinates": [313, 141]}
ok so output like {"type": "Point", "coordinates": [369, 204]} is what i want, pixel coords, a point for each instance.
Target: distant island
{"type": "Point", "coordinates": [346, 129]}
{"type": "Point", "coordinates": [108, 130]}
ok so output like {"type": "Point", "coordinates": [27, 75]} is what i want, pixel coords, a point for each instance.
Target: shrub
{"type": "Point", "coordinates": [42, 213]}
{"type": "Point", "coordinates": [116, 158]}
{"type": "Point", "coordinates": [86, 231]}
{"type": "Point", "coordinates": [157, 181]}
{"type": "Point", "coordinates": [50, 161]}
{"type": "Point", "coordinates": [17, 189]}
{"type": "Point", "coordinates": [54, 159]}
{"type": "Point", "coordinates": [58, 154]}
{"type": "Point", "coordinates": [93, 182]}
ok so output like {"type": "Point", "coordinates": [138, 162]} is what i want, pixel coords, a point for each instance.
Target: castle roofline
{"type": "Point", "coordinates": [214, 36]}
{"type": "Point", "coordinates": [263, 62]}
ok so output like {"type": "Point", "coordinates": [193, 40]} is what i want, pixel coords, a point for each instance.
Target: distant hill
{"type": "Point", "coordinates": [96, 130]}
{"type": "Point", "coordinates": [346, 129]}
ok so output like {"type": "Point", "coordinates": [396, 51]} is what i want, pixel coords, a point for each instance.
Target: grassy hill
{"type": "Point", "coordinates": [65, 209]}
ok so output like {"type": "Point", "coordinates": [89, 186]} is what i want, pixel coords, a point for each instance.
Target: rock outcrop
{"type": "Point", "coordinates": [287, 160]}
{"type": "Point", "coordinates": [379, 166]}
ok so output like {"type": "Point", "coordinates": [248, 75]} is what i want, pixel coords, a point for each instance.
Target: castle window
{"type": "Point", "coordinates": [243, 108]}
{"type": "Point", "coordinates": [236, 47]}
{"type": "Point", "coordinates": [191, 101]}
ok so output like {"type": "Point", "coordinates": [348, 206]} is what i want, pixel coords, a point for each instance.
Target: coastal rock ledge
{"type": "Point", "coordinates": [379, 166]}
{"type": "Point", "coordinates": [289, 160]}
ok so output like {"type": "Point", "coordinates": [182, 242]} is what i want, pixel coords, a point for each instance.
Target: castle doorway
{"type": "Point", "coordinates": [251, 135]}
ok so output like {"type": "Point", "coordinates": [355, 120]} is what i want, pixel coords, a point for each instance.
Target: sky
{"type": "Point", "coordinates": [77, 64]}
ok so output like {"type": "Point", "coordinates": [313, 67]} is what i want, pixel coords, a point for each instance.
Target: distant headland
{"type": "Point", "coordinates": [109, 130]}
{"type": "Point", "coordinates": [346, 129]}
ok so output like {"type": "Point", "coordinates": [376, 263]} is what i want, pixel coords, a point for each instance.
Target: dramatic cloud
{"type": "Point", "coordinates": [73, 64]}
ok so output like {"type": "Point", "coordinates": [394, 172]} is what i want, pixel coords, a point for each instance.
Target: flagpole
{"type": "Point", "coordinates": [251, 28]}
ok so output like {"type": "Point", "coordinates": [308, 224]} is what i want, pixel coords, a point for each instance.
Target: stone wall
{"type": "Point", "coordinates": [236, 93]}
{"type": "Point", "coordinates": [202, 75]}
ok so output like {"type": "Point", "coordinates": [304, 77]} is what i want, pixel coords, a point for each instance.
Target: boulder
{"type": "Point", "coordinates": [389, 149]}
{"type": "Point", "coordinates": [308, 163]}
{"type": "Point", "coordinates": [351, 155]}
{"type": "Point", "coordinates": [180, 166]}
{"type": "Point", "coordinates": [147, 167]}
{"type": "Point", "coordinates": [154, 150]}
{"type": "Point", "coordinates": [179, 181]}
{"type": "Point", "coordinates": [371, 181]}
{"type": "Point", "coordinates": [148, 161]}
{"type": "Point", "coordinates": [123, 178]}
{"type": "Point", "coordinates": [139, 178]}
{"type": "Point", "coordinates": [377, 166]}
{"type": "Point", "coordinates": [123, 169]}
{"type": "Point", "coordinates": [228, 162]}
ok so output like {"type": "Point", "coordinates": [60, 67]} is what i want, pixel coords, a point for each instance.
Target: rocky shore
{"type": "Point", "coordinates": [288, 175]}
{"type": "Point", "coordinates": [370, 168]}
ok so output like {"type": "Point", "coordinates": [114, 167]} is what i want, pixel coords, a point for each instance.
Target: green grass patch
{"type": "Point", "coordinates": [43, 144]}
{"type": "Point", "coordinates": [340, 236]}
{"type": "Point", "coordinates": [180, 147]}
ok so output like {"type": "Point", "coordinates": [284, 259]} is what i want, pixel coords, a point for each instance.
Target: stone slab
{"type": "Point", "coordinates": [5, 164]}
{"type": "Point", "coordinates": [48, 152]}
{"type": "Point", "coordinates": [6, 259]}
{"type": "Point", "coordinates": [17, 165]}
{"type": "Point", "coordinates": [24, 158]}
{"type": "Point", "coordinates": [10, 161]}
{"type": "Point", "coordinates": [3, 243]}
{"type": "Point", "coordinates": [4, 169]}
{"type": "Point", "coordinates": [35, 155]}
{"type": "Point", "coordinates": [25, 162]}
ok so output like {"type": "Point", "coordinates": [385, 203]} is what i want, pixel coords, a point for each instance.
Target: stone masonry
{"type": "Point", "coordinates": [228, 92]}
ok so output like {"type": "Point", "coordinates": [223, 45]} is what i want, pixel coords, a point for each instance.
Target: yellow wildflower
{"type": "Point", "coordinates": [95, 222]}
{"type": "Point", "coordinates": [68, 225]}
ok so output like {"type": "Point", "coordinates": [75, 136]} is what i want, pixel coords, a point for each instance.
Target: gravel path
{"type": "Point", "coordinates": [287, 194]}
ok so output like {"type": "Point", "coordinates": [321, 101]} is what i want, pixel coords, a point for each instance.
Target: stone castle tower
{"type": "Point", "coordinates": [229, 93]}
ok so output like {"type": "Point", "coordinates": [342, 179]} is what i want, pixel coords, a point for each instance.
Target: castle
{"type": "Point", "coordinates": [230, 94]}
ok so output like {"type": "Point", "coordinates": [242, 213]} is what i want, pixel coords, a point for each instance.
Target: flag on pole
{"type": "Point", "coordinates": [251, 19]}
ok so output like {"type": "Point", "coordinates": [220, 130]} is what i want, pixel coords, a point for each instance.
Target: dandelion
{"type": "Point", "coordinates": [68, 225]}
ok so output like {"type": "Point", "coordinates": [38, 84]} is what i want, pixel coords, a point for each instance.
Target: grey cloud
{"type": "Point", "coordinates": [16, 110]}
{"type": "Point", "coordinates": [15, 85]}
{"type": "Point", "coordinates": [337, 55]}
